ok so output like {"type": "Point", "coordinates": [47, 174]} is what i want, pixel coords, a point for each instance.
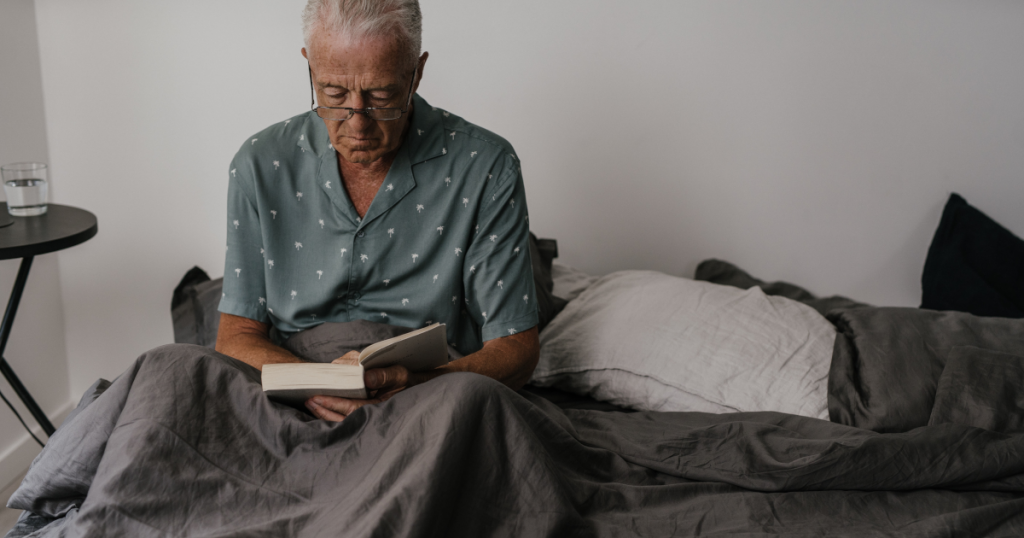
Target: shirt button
{"type": "Point", "coordinates": [360, 234]}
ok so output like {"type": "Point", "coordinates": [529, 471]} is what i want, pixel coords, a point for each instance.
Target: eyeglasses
{"type": "Point", "coordinates": [342, 113]}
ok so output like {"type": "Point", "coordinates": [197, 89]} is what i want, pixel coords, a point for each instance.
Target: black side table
{"type": "Point", "coordinates": [59, 228]}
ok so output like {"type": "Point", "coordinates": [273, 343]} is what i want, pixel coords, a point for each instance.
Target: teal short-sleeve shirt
{"type": "Point", "coordinates": [446, 238]}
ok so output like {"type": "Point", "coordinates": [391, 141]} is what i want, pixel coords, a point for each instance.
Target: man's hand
{"type": "Point", "coordinates": [383, 382]}
{"type": "Point", "coordinates": [510, 359]}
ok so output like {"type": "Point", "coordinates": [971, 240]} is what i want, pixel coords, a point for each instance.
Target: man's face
{"type": "Point", "coordinates": [359, 74]}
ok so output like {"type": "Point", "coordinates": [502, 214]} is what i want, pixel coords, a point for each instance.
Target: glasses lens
{"type": "Point", "coordinates": [333, 113]}
{"type": "Point", "coordinates": [385, 114]}
{"type": "Point", "coordinates": [342, 114]}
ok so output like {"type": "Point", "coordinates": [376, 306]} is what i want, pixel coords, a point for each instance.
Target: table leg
{"type": "Point", "coordinates": [5, 333]}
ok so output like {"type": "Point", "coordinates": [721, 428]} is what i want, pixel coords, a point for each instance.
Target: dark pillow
{"type": "Point", "coordinates": [194, 309]}
{"type": "Point", "coordinates": [196, 298]}
{"type": "Point", "coordinates": [981, 388]}
{"type": "Point", "coordinates": [974, 265]}
{"type": "Point", "coordinates": [542, 253]}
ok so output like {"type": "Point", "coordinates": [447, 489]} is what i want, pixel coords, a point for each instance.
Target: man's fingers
{"type": "Point", "coordinates": [386, 378]}
{"type": "Point", "coordinates": [341, 406]}
{"type": "Point", "coordinates": [352, 357]}
{"type": "Point", "coordinates": [322, 412]}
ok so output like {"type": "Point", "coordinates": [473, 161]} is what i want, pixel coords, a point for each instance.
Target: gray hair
{"type": "Point", "coordinates": [366, 18]}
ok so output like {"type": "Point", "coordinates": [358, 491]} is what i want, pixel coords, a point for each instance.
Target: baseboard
{"type": "Point", "coordinates": [18, 457]}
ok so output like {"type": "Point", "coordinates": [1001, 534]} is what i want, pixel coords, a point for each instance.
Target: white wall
{"type": "Point", "coordinates": [36, 349]}
{"type": "Point", "coordinates": [809, 141]}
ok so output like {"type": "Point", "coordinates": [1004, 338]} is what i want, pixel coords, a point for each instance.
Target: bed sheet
{"type": "Point", "coordinates": [185, 443]}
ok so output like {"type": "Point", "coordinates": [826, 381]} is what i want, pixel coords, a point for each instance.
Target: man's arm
{"type": "Point", "coordinates": [509, 359]}
{"type": "Point", "coordinates": [248, 340]}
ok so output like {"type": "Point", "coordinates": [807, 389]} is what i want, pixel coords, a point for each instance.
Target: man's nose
{"type": "Point", "coordinates": [360, 122]}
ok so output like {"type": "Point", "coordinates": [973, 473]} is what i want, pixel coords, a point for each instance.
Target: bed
{"type": "Point", "coordinates": [911, 424]}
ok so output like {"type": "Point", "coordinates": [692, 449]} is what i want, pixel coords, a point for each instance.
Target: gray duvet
{"type": "Point", "coordinates": [185, 444]}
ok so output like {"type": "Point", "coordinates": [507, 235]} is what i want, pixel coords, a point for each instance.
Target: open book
{"type": "Point", "coordinates": [419, 350]}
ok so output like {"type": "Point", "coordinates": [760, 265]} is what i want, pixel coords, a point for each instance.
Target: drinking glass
{"type": "Point", "coordinates": [25, 187]}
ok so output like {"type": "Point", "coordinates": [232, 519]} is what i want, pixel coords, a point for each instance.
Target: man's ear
{"type": "Point", "coordinates": [304, 55]}
{"type": "Point", "coordinates": [419, 70]}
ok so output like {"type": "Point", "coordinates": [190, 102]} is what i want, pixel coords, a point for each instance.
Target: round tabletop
{"type": "Point", "coordinates": [59, 228]}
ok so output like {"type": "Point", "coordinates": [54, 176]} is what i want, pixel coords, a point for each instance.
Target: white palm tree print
{"type": "Point", "coordinates": [447, 181]}
{"type": "Point", "coordinates": [419, 132]}
{"type": "Point", "coordinates": [386, 282]}
{"type": "Point", "coordinates": [419, 208]}
{"type": "Point", "coordinates": [235, 222]}
{"type": "Point", "coordinates": [494, 238]}
{"type": "Point", "coordinates": [391, 232]}
{"type": "Point", "coordinates": [444, 151]}
{"type": "Point", "coordinates": [435, 279]}
{"type": "Point", "coordinates": [263, 301]}
{"type": "Point", "coordinates": [319, 273]}
{"type": "Point", "coordinates": [512, 203]}
{"type": "Point", "coordinates": [343, 251]}
{"type": "Point", "coordinates": [270, 263]}
{"type": "Point", "coordinates": [263, 253]}
{"type": "Point", "coordinates": [511, 331]}
{"type": "Point", "coordinates": [277, 164]}
{"type": "Point", "coordinates": [465, 202]}
{"type": "Point", "coordinates": [294, 293]}
{"type": "Point", "coordinates": [440, 230]}
{"type": "Point", "coordinates": [298, 245]}
{"type": "Point", "coordinates": [383, 314]}
{"type": "Point", "coordinates": [273, 214]}
{"type": "Point", "coordinates": [455, 299]}
{"type": "Point", "coordinates": [515, 251]}
{"type": "Point", "coordinates": [526, 298]}
{"type": "Point", "coordinates": [458, 251]}
{"type": "Point", "coordinates": [472, 154]}
{"type": "Point", "coordinates": [327, 184]}
{"type": "Point", "coordinates": [390, 187]}
{"type": "Point", "coordinates": [271, 310]}
{"type": "Point", "coordinates": [254, 141]}
{"type": "Point", "coordinates": [446, 114]}
{"type": "Point", "coordinates": [363, 258]}
{"type": "Point", "coordinates": [484, 314]}
{"type": "Point", "coordinates": [298, 195]}
{"type": "Point", "coordinates": [414, 256]}
{"type": "Point", "coordinates": [501, 284]}
{"type": "Point", "coordinates": [452, 134]}
{"type": "Point", "coordinates": [405, 302]}
{"type": "Point", "coordinates": [472, 269]}
{"type": "Point", "coordinates": [233, 172]}
{"type": "Point", "coordinates": [321, 221]}
{"type": "Point", "coordinates": [302, 137]}
{"type": "Point", "coordinates": [238, 272]}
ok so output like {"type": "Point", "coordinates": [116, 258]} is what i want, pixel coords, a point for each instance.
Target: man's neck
{"type": "Point", "coordinates": [363, 180]}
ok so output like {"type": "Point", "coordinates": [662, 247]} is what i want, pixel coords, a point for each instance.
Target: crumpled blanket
{"type": "Point", "coordinates": [185, 443]}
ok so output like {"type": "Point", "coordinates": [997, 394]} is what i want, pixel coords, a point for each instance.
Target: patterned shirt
{"type": "Point", "coordinates": [446, 238]}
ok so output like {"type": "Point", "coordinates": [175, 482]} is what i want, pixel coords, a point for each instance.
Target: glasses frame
{"type": "Point", "coordinates": [364, 111]}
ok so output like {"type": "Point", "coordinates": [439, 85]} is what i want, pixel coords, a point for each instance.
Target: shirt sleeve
{"type": "Point", "coordinates": [244, 291]}
{"type": "Point", "coordinates": [498, 274]}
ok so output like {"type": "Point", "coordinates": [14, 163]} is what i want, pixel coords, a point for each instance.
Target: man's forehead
{"type": "Point", "coordinates": [336, 57]}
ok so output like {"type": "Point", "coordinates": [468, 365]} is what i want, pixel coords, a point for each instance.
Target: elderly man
{"type": "Point", "coordinates": [377, 206]}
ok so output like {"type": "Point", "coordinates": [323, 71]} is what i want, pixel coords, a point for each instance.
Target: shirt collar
{"type": "Point", "coordinates": [425, 140]}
